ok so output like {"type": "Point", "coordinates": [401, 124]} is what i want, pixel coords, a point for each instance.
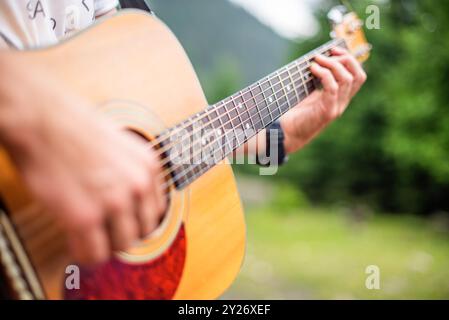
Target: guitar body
{"type": "Point", "coordinates": [133, 68]}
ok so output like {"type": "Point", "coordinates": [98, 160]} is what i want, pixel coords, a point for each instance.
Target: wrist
{"type": "Point", "coordinates": [302, 127]}
{"type": "Point", "coordinates": [325, 116]}
{"type": "Point", "coordinates": [291, 140]}
{"type": "Point", "coordinates": [18, 130]}
{"type": "Point", "coordinates": [289, 146]}
{"type": "Point", "coordinates": [275, 153]}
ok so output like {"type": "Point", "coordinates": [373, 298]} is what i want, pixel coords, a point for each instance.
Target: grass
{"type": "Point", "coordinates": [322, 253]}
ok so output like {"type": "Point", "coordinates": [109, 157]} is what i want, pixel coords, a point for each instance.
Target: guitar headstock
{"type": "Point", "coordinates": [348, 26]}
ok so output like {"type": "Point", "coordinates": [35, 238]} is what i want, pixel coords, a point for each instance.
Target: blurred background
{"type": "Point", "coordinates": [374, 188]}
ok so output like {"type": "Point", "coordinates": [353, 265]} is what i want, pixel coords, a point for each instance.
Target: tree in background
{"type": "Point", "coordinates": [391, 148]}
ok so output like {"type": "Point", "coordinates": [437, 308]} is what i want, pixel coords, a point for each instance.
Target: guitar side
{"type": "Point", "coordinates": [133, 57]}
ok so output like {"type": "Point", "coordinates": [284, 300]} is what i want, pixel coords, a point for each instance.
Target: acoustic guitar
{"type": "Point", "coordinates": [143, 79]}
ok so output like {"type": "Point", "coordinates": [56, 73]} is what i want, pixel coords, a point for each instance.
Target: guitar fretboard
{"type": "Point", "coordinates": [208, 137]}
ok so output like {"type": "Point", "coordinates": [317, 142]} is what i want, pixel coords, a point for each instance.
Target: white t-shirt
{"type": "Point", "coordinates": [36, 23]}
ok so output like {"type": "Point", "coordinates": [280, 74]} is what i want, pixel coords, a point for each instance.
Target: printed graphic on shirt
{"type": "Point", "coordinates": [34, 23]}
{"type": "Point", "coordinates": [35, 9]}
{"type": "Point", "coordinates": [71, 18]}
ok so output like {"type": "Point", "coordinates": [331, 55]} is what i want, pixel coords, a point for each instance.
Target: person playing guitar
{"type": "Point", "coordinates": [99, 182]}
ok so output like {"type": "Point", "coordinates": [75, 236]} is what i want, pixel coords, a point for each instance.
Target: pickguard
{"type": "Point", "coordinates": [117, 280]}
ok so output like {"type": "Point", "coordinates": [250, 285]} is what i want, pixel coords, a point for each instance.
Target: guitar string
{"type": "Point", "coordinates": [219, 118]}
{"type": "Point", "coordinates": [169, 173]}
{"type": "Point", "coordinates": [231, 120]}
{"type": "Point", "coordinates": [180, 175]}
{"type": "Point", "coordinates": [207, 112]}
{"type": "Point", "coordinates": [250, 117]}
{"type": "Point", "coordinates": [297, 62]}
{"type": "Point", "coordinates": [174, 168]}
{"type": "Point", "coordinates": [210, 165]}
{"type": "Point", "coordinates": [175, 178]}
{"type": "Point", "coordinates": [286, 97]}
{"type": "Point", "coordinates": [194, 120]}
{"type": "Point", "coordinates": [184, 173]}
{"type": "Point", "coordinates": [204, 169]}
{"type": "Point", "coordinates": [307, 59]}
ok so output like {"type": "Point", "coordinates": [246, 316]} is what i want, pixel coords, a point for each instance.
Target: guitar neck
{"type": "Point", "coordinates": [210, 136]}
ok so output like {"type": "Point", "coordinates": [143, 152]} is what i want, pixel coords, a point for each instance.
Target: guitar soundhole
{"type": "Point", "coordinates": [167, 190]}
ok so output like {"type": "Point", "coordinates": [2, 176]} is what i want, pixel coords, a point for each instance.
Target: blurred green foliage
{"type": "Point", "coordinates": [287, 198]}
{"type": "Point", "coordinates": [223, 80]}
{"type": "Point", "coordinates": [391, 148]}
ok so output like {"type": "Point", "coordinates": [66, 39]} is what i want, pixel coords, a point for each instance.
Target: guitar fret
{"type": "Point", "coordinates": [237, 122]}
{"type": "Point", "coordinates": [275, 88]}
{"type": "Point", "coordinates": [270, 101]}
{"type": "Point", "coordinates": [206, 130]}
{"type": "Point", "coordinates": [227, 126]}
{"type": "Point", "coordinates": [301, 69]}
{"type": "Point", "coordinates": [243, 110]}
{"type": "Point", "coordinates": [280, 94]}
{"type": "Point", "coordinates": [255, 94]}
{"type": "Point", "coordinates": [221, 131]}
{"type": "Point", "coordinates": [263, 104]}
{"type": "Point", "coordinates": [197, 147]}
{"type": "Point", "coordinates": [293, 84]}
{"type": "Point", "coordinates": [299, 82]}
{"type": "Point", "coordinates": [254, 112]}
{"type": "Point", "coordinates": [211, 140]}
{"type": "Point", "coordinates": [184, 173]}
{"type": "Point", "coordinates": [248, 104]}
{"type": "Point", "coordinates": [287, 87]}
{"type": "Point", "coordinates": [230, 133]}
{"type": "Point", "coordinates": [292, 97]}
{"type": "Point", "coordinates": [233, 118]}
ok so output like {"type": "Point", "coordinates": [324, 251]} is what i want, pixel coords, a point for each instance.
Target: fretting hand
{"type": "Point", "coordinates": [341, 76]}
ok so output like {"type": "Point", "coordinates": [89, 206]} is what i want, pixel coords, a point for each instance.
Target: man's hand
{"type": "Point", "coordinates": [103, 185]}
{"type": "Point", "coordinates": [342, 77]}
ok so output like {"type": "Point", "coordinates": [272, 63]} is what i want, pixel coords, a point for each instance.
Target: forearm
{"type": "Point", "coordinates": [13, 115]}
{"type": "Point", "coordinates": [29, 101]}
{"type": "Point", "coordinates": [308, 123]}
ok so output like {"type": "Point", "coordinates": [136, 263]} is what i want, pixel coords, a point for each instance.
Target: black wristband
{"type": "Point", "coordinates": [275, 147]}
